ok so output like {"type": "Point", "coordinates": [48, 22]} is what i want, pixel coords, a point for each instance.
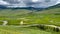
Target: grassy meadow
{"type": "Point", "coordinates": [28, 30]}
{"type": "Point", "coordinates": [14, 17]}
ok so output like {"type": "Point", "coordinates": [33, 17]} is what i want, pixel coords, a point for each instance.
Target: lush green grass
{"type": "Point", "coordinates": [14, 17]}
{"type": "Point", "coordinates": [18, 30]}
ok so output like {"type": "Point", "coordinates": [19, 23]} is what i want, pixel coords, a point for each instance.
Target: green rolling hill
{"type": "Point", "coordinates": [30, 16]}
{"type": "Point", "coordinates": [14, 17]}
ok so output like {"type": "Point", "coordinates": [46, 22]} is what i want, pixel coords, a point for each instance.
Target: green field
{"type": "Point", "coordinates": [18, 30]}
{"type": "Point", "coordinates": [14, 17]}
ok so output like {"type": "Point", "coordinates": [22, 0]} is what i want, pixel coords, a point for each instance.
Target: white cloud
{"type": "Point", "coordinates": [58, 2]}
{"type": "Point", "coordinates": [3, 3]}
{"type": "Point", "coordinates": [35, 0]}
{"type": "Point", "coordinates": [31, 3]}
{"type": "Point", "coordinates": [45, 3]}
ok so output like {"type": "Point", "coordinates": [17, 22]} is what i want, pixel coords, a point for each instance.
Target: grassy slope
{"type": "Point", "coordinates": [51, 16]}
{"type": "Point", "coordinates": [14, 30]}
{"type": "Point", "coordinates": [41, 17]}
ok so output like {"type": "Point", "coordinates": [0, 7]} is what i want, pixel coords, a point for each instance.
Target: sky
{"type": "Point", "coordinates": [29, 3]}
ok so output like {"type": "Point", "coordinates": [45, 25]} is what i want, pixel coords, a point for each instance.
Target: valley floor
{"type": "Point", "coordinates": [21, 16]}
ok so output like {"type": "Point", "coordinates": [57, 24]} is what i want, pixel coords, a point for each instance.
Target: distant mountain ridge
{"type": "Point", "coordinates": [30, 8]}
{"type": "Point", "coordinates": [55, 6]}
